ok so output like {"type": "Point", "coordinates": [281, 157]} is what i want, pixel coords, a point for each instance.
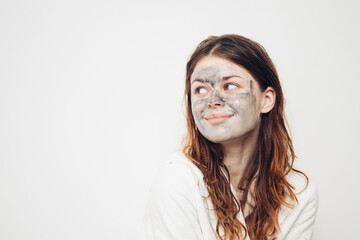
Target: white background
{"type": "Point", "coordinates": [91, 104]}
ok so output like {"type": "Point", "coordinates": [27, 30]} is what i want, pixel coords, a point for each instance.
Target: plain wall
{"type": "Point", "coordinates": [91, 105]}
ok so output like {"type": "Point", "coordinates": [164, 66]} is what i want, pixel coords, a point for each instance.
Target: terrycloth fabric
{"type": "Point", "coordinates": [178, 210]}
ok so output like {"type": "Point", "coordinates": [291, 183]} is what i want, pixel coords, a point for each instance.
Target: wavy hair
{"type": "Point", "coordinates": [264, 181]}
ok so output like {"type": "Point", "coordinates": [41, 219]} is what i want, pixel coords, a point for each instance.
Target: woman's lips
{"type": "Point", "coordinates": [217, 118]}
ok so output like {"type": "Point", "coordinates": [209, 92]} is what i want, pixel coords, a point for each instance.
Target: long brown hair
{"type": "Point", "coordinates": [273, 157]}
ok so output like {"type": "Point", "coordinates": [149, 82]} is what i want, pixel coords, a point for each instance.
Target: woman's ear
{"type": "Point", "coordinates": [268, 100]}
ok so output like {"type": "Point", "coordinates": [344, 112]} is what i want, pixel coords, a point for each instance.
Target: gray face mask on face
{"type": "Point", "coordinates": [223, 100]}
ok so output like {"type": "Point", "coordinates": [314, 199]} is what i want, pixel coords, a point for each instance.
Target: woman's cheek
{"type": "Point", "coordinates": [198, 107]}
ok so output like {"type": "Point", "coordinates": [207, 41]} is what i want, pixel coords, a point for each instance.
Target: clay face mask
{"type": "Point", "coordinates": [223, 99]}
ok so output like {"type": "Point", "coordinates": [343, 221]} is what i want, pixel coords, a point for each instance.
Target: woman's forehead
{"type": "Point", "coordinates": [214, 67]}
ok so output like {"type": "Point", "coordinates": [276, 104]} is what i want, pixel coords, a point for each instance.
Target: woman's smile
{"type": "Point", "coordinates": [216, 119]}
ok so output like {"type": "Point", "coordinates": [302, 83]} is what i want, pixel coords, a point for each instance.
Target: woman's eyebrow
{"type": "Point", "coordinates": [199, 80]}
{"type": "Point", "coordinates": [225, 78]}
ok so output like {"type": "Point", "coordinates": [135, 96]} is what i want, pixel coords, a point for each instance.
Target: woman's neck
{"type": "Point", "coordinates": [237, 155]}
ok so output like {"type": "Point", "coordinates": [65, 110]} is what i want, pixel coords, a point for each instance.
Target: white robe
{"type": "Point", "coordinates": [177, 210]}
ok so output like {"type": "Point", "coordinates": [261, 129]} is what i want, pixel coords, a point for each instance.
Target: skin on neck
{"type": "Point", "coordinates": [237, 155]}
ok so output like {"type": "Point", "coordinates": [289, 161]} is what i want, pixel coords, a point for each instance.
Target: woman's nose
{"type": "Point", "coordinates": [216, 101]}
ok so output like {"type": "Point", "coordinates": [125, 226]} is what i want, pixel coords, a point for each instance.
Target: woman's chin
{"type": "Point", "coordinates": [218, 139]}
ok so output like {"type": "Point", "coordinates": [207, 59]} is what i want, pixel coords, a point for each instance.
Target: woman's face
{"type": "Point", "coordinates": [225, 99]}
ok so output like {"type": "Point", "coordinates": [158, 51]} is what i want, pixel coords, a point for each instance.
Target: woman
{"type": "Point", "coordinates": [235, 178]}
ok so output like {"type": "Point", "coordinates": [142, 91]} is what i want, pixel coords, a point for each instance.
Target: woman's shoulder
{"type": "Point", "coordinates": [296, 222]}
{"type": "Point", "coordinates": [178, 160]}
{"type": "Point", "coordinates": [304, 187]}
{"type": "Point", "coordinates": [178, 172]}
{"type": "Point", "coordinates": [173, 202]}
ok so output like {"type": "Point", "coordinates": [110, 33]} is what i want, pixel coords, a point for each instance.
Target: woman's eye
{"type": "Point", "coordinates": [230, 86]}
{"type": "Point", "coordinates": [200, 90]}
